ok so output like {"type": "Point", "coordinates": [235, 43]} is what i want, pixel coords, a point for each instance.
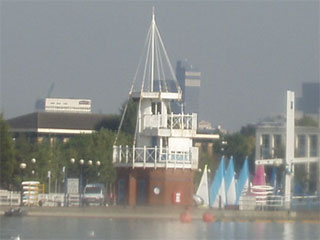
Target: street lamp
{"type": "Point", "coordinates": [22, 167]}
{"type": "Point", "coordinates": [81, 180]}
{"type": "Point", "coordinates": [81, 163]}
{"type": "Point", "coordinates": [33, 161]}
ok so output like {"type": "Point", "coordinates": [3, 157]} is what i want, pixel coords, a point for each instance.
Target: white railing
{"type": "Point", "coordinates": [261, 202]}
{"type": "Point", "coordinates": [9, 198]}
{"type": "Point", "coordinates": [170, 121]}
{"type": "Point", "coordinates": [155, 157]}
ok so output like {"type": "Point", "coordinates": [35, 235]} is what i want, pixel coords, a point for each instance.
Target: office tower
{"type": "Point", "coordinates": [189, 80]}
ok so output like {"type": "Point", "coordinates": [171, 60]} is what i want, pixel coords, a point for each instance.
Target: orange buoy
{"type": "Point", "coordinates": [208, 217]}
{"type": "Point", "coordinates": [185, 217]}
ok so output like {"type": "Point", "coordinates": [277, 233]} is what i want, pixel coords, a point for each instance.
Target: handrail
{"type": "Point", "coordinates": [170, 121]}
{"type": "Point", "coordinates": [153, 155]}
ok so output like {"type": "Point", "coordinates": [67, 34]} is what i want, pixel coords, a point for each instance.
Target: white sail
{"type": "Point", "coordinates": [220, 200]}
{"type": "Point", "coordinates": [203, 189]}
{"type": "Point", "coordinates": [231, 193]}
{"type": "Point", "coordinates": [230, 184]}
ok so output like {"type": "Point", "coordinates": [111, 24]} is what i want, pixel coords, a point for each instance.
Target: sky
{"type": "Point", "coordinates": [249, 52]}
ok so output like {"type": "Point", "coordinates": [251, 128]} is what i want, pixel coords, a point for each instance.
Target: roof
{"type": "Point", "coordinates": [56, 122]}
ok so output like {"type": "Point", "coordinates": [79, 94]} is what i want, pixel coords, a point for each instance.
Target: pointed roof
{"type": "Point", "coordinates": [158, 79]}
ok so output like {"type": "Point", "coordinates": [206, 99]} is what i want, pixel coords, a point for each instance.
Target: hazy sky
{"type": "Point", "coordinates": [249, 52]}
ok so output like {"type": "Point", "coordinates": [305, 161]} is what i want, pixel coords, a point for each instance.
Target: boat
{"type": "Point", "coordinates": [15, 212]}
{"type": "Point", "coordinates": [201, 197]}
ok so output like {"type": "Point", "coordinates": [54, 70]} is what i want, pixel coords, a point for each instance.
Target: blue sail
{"type": "Point", "coordinates": [218, 187]}
{"type": "Point", "coordinates": [243, 181]}
{"type": "Point", "coordinates": [230, 183]}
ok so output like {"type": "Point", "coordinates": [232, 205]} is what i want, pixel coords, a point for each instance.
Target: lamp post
{"type": "Point", "coordinates": [81, 161]}
{"type": "Point", "coordinates": [22, 167]}
{"type": "Point", "coordinates": [64, 170]}
{"type": "Point", "coordinates": [81, 165]}
{"type": "Point", "coordinates": [33, 161]}
{"type": "Point", "coordinates": [223, 145]}
{"type": "Point", "coordinates": [98, 163]}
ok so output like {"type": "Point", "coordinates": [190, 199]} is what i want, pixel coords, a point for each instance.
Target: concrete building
{"type": "Point", "coordinates": [62, 125]}
{"type": "Point", "coordinates": [189, 79]}
{"type": "Point", "coordinates": [271, 145]}
{"type": "Point", "coordinates": [270, 141]}
{"type": "Point", "coordinates": [64, 105]}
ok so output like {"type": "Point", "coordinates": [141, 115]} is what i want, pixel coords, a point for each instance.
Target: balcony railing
{"type": "Point", "coordinates": [170, 121]}
{"type": "Point", "coordinates": [154, 157]}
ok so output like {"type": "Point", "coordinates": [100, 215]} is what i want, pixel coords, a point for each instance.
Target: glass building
{"type": "Point", "coordinates": [189, 79]}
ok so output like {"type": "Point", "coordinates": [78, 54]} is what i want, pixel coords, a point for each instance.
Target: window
{"type": "Point", "coordinates": [313, 145]}
{"type": "Point", "coordinates": [156, 108]}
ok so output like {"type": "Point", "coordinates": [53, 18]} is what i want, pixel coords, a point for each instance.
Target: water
{"type": "Point", "coordinates": [102, 228]}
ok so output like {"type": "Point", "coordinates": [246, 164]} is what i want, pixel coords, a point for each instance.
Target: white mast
{"type": "Point", "coordinates": [152, 49]}
{"type": "Point", "coordinates": [289, 146]}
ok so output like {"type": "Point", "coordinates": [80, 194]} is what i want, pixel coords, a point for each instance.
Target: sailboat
{"type": "Point", "coordinates": [202, 194]}
{"type": "Point", "coordinates": [259, 187]}
{"type": "Point", "coordinates": [217, 189]}
{"type": "Point", "coordinates": [243, 181]}
{"type": "Point", "coordinates": [230, 183]}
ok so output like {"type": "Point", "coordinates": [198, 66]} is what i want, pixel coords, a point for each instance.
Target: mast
{"type": "Point", "coordinates": [152, 49]}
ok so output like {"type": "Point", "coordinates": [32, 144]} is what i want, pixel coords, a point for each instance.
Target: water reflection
{"type": "Point", "coordinates": [100, 228]}
{"type": "Point", "coordinates": [287, 231]}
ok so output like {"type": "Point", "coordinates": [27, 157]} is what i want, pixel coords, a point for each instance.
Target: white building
{"type": "Point", "coordinates": [65, 105]}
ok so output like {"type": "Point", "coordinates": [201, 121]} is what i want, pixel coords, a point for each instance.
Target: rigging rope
{"type": "Point", "coordinates": [131, 88]}
{"type": "Point", "coordinates": [168, 61]}
{"type": "Point", "coordinates": [160, 73]}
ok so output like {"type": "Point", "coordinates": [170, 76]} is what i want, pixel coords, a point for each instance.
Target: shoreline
{"type": "Point", "coordinates": [170, 213]}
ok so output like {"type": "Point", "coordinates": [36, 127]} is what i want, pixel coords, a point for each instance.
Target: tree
{"type": "Point", "coordinates": [130, 117]}
{"type": "Point", "coordinates": [24, 151]}
{"type": "Point", "coordinates": [7, 160]}
{"type": "Point", "coordinates": [111, 122]}
{"type": "Point", "coordinates": [306, 121]}
{"type": "Point", "coordinates": [239, 145]}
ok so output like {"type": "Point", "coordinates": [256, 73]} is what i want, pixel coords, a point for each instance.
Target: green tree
{"type": "Point", "coordinates": [42, 154]}
{"type": "Point", "coordinates": [306, 121]}
{"type": "Point", "coordinates": [24, 151]}
{"type": "Point", "coordinates": [239, 145]}
{"type": "Point", "coordinates": [7, 160]}
{"type": "Point", "coordinates": [111, 122]}
{"type": "Point", "coordinates": [130, 117]}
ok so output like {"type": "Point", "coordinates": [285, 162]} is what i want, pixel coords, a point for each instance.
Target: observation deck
{"type": "Point", "coordinates": [159, 156]}
{"type": "Point", "coordinates": [178, 125]}
{"type": "Point", "coordinates": [154, 157]}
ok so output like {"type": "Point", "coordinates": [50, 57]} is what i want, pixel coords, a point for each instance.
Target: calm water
{"type": "Point", "coordinates": [93, 228]}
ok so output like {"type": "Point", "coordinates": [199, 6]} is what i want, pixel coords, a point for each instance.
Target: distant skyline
{"type": "Point", "coordinates": [249, 53]}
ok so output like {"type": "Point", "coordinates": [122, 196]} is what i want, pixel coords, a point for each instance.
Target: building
{"type": "Point", "coordinates": [189, 79]}
{"type": "Point", "coordinates": [270, 141]}
{"type": "Point", "coordinates": [64, 105]}
{"type": "Point", "coordinates": [271, 145]}
{"type": "Point", "coordinates": [159, 168]}
{"type": "Point", "coordinates": [59, 118]}
{"type": "Point", "coordinates": [309, 103]}
{"type": "Point", "coordinates": [62, 125]}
